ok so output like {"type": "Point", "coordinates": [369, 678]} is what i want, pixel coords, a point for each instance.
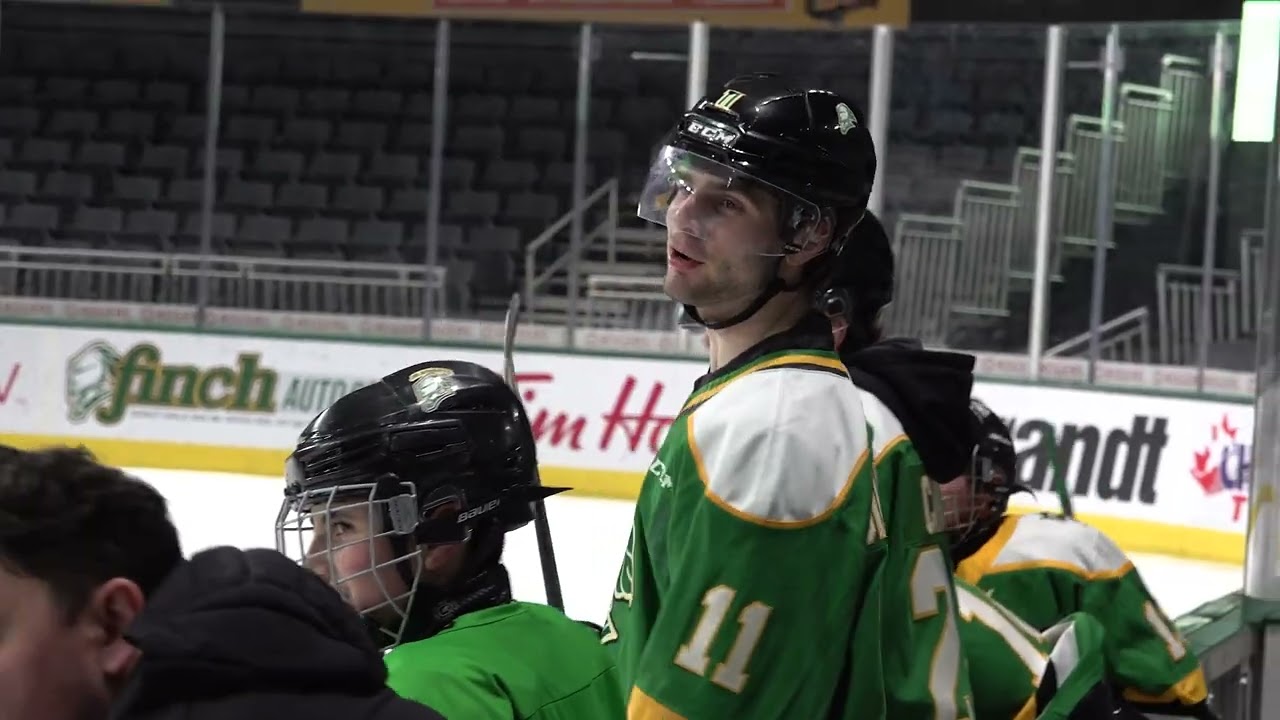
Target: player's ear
{"type": "Point", "coordinates": [441, 562]}
{"type": "Point", "coordinates": [814, 239]}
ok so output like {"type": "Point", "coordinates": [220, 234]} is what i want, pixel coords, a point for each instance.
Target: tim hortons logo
{"type": "Point", "coordinates": [631, 421]}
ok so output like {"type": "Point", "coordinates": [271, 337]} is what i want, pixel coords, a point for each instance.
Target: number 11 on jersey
{"type": "Point", "coordinates": [731, 674]}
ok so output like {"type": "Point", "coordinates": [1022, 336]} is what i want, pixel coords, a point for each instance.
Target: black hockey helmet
{"type": "Point", "coordinates": [442, 431]}
{"type": "Point", "coordinates": [993, 480]}
{"type": "Point", "coordinates": [861, 279]}
{"type": "Point", "coordinates": [810, 148]}
{"type": "Point", "coordinates": [439, 452]}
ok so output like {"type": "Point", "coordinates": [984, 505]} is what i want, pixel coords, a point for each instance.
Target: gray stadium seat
{"type": "Point", "coordinates": [333, 168]}
{"type": "Point", "coordinates": [468, 205]}
{"type": "Point", "coordinates": [247, 196]}
{"type": "Point", "coordinates": [413, 137]}
{"type": "Point", "coordinates": [357, 201]}
{"type": "Point", "coordinates": [100, 156]}
{"type": "Point", "coordinates": [128, 126]}
{"type": "Point", "coordinates": [509, 175]}
{"type": "Point", "coordinates": [306, 133]}
{"type": "Point", "coordinates": [361, 136]}
{"type": "Point", "coordinates": [165, 160]}
{"type": "Point", "coordinates": [71, 125]}
{"type": "Point", "coordinates": [16, 186]}
{"type": "Point", "coordinates": [31, 223]}
{"type": "Point", "coordinates": [380, 104]}
{"type": "Point", "coordinates": [147, 230]}
{"type": "Point", "coordinates": [393, 171]}
{"type": "Point", "coordinates": [302, 199]}
{"type": "Point", "coordinates": [321, 233]}
{"type": "Point", "coordinates": [376, 240]}
{"type": "Point", "coordinates": [65, 188]}
{"type": "Point", "coordinates": [135, 191]}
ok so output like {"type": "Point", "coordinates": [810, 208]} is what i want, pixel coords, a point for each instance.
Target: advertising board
{"type": "Point", "coordinates": [1160, 473]}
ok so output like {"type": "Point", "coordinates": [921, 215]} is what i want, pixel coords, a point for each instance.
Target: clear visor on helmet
{"type": "Point", "coordinates": [701, 198]}
{"type": "Point", "coordinates": [346, 534]}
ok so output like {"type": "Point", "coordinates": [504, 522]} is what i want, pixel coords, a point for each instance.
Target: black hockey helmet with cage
{"type": "Point", "coordinates": [809, 147]}
{"type": "Point", "coordinates": [993, 480]}
{"type": "Point", "coordinates": [861, 280]}
{"type": "Point", "coordinates": [442, 431]}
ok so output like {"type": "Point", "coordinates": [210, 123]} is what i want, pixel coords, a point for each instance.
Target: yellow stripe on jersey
{"type": "Point", "coordinates": [642, 707]}
{"type": "Point", "coordinates": [799, 360]}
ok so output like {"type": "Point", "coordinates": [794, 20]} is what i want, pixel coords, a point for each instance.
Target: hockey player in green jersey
{"type": "Point", "coordinates": [399, 494]}
{"type": "Point", "coordinates": [919, 402]}
{"type": "Point", "coordinates": [739, 590]}
{"type": "Point", "coordinates": [1045, 567]}
{"type": "Point", "coordinates": [1019, 673]}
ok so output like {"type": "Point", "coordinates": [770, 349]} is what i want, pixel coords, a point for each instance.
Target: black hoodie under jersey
{"type": "Point", "coordinates": [928, 391]}
{"type": "Point", "coordinates": [251, 635]}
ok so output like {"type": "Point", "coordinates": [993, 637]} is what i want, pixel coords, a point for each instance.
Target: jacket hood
{"type": "Point", "coordinates": [229, 620]}
{"type": "Point", "coordinates": [929, 391]}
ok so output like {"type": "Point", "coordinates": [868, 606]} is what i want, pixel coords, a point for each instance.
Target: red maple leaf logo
{"type": "Point", "coordinates": [1206, 473]}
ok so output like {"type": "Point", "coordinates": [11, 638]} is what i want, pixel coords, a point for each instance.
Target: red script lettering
{"type": "Point", "coordinates": [7, 388]}
{"type": "Point", "coordinates": [640, 430]}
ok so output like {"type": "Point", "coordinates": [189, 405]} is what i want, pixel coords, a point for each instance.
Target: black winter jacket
{"type": "Point", "coordinates": [929, 392]}
{"type": "Point", "coordinates": [250, 635]}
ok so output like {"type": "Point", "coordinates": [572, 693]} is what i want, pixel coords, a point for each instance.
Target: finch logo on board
{"type": "Point", "coordinates": [1223, 465]}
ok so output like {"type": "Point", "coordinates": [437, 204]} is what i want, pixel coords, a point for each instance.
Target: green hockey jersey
{"type": "Point", "coordinates": [746, 568]}
{"type": "Point", "coordinates": [1045, 567]}
{"type": "Point", "coordinates": [517, 660]}
{"type": "Point", "coordinates": [1012, 679]}
{"type": "Point", "coordinates": [913, 608]}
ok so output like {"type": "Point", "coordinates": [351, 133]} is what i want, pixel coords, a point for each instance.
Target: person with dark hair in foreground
{"type": "Point", "coordinates": [101, 617]}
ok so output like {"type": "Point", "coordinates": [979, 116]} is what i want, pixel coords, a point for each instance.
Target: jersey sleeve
{"type": "Point", "coordinates": [1074, 685]}
{"type": "Point", "coordinates": [1147, 655]}
{"type": "Point", "coordinates": [1007, 657]}
{"type": "Point", "coordinates": [765, 557]}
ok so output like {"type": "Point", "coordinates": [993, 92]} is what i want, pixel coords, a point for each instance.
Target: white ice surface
{"type": "Point", "coordinates": [589, 535]}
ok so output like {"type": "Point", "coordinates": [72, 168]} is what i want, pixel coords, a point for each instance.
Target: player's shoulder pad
{"type": "Point", "coordinates": [1056, 541]}
{"type": "Point", "coordinates": [780, 447]}
{"type": "Point", "coordinates": [887, 432]}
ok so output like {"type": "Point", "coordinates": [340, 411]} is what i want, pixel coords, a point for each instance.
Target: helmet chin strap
{"type": "Point", "coordinates": [775, 286]}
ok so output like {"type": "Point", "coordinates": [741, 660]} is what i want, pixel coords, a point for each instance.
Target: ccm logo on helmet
{"type": "Point", "coordinates": [711, 133]}
{"type": "Point", "coordinates": [478, 511]}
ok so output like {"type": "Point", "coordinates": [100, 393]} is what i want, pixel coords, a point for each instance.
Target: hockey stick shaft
{"type": "Point", "coordinates": [546, 552]}
{"type": "Point", "coordinates": [1060, 476]}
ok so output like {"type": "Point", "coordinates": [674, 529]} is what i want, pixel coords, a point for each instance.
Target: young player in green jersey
{"type": "Point", "coordinates": [738, 595]}
{"type": "Point", "coordinates": [399, 494]}
{"type": "Point", "coordinates": [1019, 673]}
{"type": "Point", "coordinates": [1045, 567]}
{"type": "Point", "coordinates": [919, 400]}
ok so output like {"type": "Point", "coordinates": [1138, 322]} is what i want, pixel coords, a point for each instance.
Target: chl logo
{"type": "Point", "coordinates": [1224, 465]}
{"type": "Point", "coordinates": [711, 133]}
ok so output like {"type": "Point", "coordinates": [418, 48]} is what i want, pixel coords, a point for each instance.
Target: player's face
{"type": "Point", "coordinates": [52, 667]}
{"type": "Point", "coordinates": [959, 503]}
{"type": "Point", "coordinates": [347, 552]}
{"type": "Point", "coordinates": [720, 236]}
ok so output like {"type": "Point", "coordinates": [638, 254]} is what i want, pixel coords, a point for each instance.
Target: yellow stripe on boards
{"type": "Point", "coordinates": [615, 484]}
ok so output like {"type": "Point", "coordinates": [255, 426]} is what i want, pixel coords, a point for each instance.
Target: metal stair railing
{"type": "Point", "coordinates": [1146, 113]}
{"type": "Point", "coordinates": [1126, 338]}
{"type": "Point", "coordinates": [1178, 297]}
{"type": "Point", "coordinates": [927, 249]}
{"type": "Point", "coordinates": [1026, 176]}
{"type": "Point", "coordinates": [535, 280]}
{"type": "Point", "coordinates": [986, 212]}
{"type": "Point", "coordinates": [1185, 78]}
